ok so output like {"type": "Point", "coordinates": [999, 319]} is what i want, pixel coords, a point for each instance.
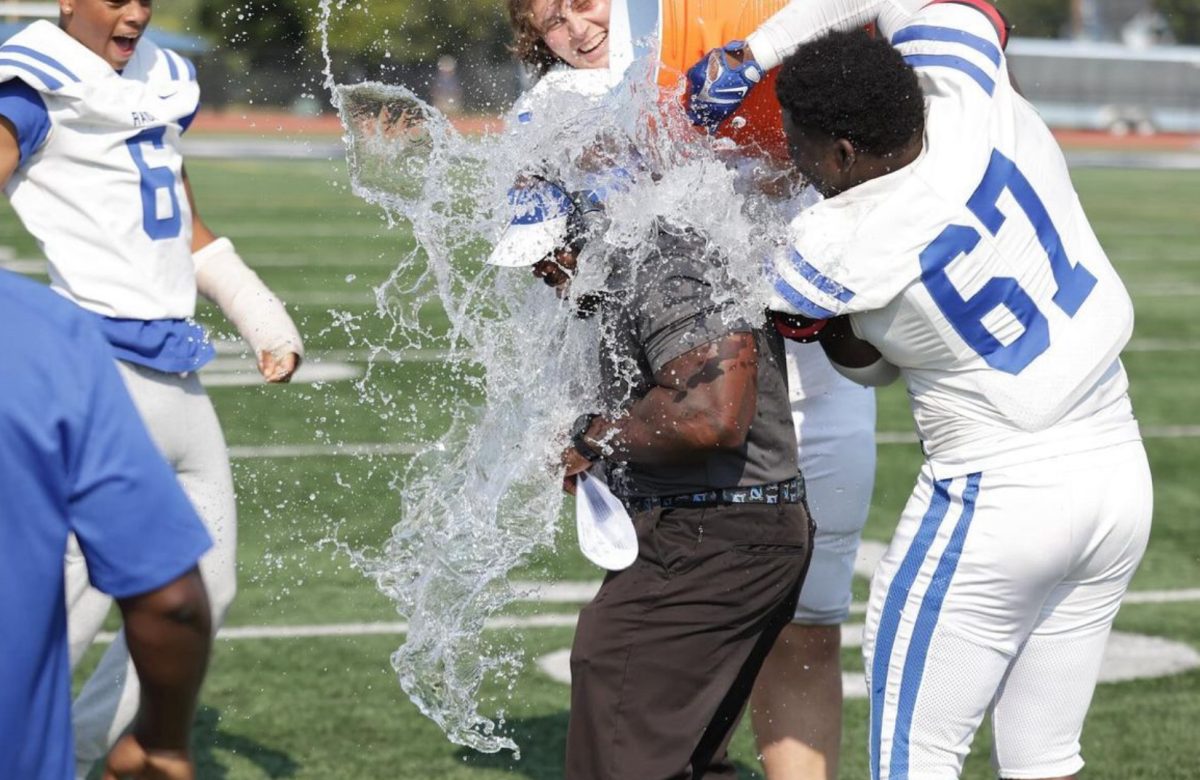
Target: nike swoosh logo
{"type": "Point", "coordinates": [168, 94]}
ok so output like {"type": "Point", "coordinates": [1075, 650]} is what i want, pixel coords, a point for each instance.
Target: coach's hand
{"type": "Point", "coordinates": [717, 84]}
{"type": "Point", "coordinates": [275, 369]}
{"type": "Point", "coordinates": [128, 759]}
{"type": "Point", "coordinates": [573, 463]}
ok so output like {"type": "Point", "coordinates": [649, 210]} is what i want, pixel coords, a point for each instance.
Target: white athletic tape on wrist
{"type": "Point", "coordinates": [223, 278]}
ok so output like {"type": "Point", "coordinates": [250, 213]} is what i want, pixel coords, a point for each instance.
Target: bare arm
{"type": "Point", "coordinates": [201, 235]}
{"type": "Point", "coordinates": [702, 401]}
{"type": "Point", "coordinates": [844, 348]}
{"type": "Point", "coordinates": [169, 633]}
{"type": "Point", "coordinates": [10, 152]}
{"type": "Point", "coordinates": [857, 360]}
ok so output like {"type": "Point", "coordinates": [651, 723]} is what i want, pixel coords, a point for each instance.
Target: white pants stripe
{"type": "Point", "coordinates": [917, 558]}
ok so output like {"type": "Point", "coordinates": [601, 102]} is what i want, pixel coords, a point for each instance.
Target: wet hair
{"type": "Point", "coordinates": [850, 85]}
{"type": "Point", "coordinates": [528, 45]}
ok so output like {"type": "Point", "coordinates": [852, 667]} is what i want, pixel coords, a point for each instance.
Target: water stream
{"type": "Point", "coordinates": [485, 497]}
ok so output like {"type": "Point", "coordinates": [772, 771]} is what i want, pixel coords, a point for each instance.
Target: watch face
{"type": "Point", "coordinates": [582, 423]}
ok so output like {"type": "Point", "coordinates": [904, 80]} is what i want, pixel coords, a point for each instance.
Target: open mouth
{"type": "Point", "coordinates": [594, 44]}
{"type": "Point", "coordinates": [125, 43]}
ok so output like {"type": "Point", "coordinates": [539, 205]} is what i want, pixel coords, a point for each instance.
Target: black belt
{"type": "Point", "coordinates": [790, 491]}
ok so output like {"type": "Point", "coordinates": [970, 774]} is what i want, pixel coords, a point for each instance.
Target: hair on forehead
{"type": "Point", "coordinates": [853, 86]}
{"type": "Point", "coordinates": [528, 46]}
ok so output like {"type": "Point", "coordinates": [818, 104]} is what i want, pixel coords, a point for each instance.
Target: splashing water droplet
{"type": "Point", "coordinates": [481, 498]}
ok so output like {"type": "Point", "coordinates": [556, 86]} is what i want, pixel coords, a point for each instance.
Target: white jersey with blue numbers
{"type": "Point", "coordinates": [103, 192]}
{"type": "Point", "coordinates": [974, 269]}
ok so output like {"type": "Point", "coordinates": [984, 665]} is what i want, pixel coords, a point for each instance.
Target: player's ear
{"type": "Point", "coordinates": [66, 7]}
{"type": "Point", "coordinates": [844, 155]}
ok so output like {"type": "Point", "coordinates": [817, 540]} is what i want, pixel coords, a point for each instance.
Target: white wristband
{"type": "Point", "coordinates": [223, 278]}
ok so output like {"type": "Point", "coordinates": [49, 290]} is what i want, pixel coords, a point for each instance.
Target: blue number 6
{"type": "Point", "coordinates": [153, 181]}
{"type": "Point", "coordinates": [1074, 283]}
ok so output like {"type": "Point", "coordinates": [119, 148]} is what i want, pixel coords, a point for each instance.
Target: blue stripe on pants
{"type": "Point", "coordinates": [927, 618]}
{"type": "Point", "coordinates": [889, 618]}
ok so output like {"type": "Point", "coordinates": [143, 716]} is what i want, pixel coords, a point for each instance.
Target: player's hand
{"type": "Point", "coordinates": [573, 464]}
{"type": "Point", "coordinates": [278, 370]}
{"type": "Point", "coordinates": [718, 84]}
{"type": "Point", "coordinates": [129, 760]}
{"type": "Point", "coordinates": [796, 328]}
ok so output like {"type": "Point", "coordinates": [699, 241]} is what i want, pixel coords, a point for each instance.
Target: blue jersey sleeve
{"type": "Point", "coordinates": [137, 529]}
{"type": "Point", "coordinates": [23, 106]}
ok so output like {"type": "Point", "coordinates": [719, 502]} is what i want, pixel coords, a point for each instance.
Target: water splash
{"type": "Point", "coordinates": [478, 503]}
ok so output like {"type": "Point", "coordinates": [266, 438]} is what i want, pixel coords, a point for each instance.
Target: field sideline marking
{"type": "Point", "coordinates": [362, 449]}
{"type": "Point", "coordinates": [563, 620]}
{"type": "Point", "coordinates": [1126, 657]}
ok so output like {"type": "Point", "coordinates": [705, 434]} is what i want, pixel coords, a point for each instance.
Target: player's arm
{"type": "Point", "coordinates": [142, 540]}
{"type": "Point", "coordinates": [720, 81]}
{"type": "Point", "coordinates": [223, 278]}
{"type": "Point", "coordinates": [702, 401]}
{"type": "Point", "coordinates": [856, 359]}
{"type": "Point", "coordinates": [24, 126]}
{"type": "Point", "coordinates": [168, 631]}
{"type": "Point", "coordinates": [10, 151]}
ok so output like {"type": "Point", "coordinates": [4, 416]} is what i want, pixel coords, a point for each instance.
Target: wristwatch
{"type": "Point", "coordinates": [579, 437]}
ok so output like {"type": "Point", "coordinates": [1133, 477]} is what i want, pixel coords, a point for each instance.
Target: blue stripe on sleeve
{"type": "Point", "coordinates": [186, 122]}
{"type": "Point", "coordinates": [172, 68]}
{"type": "Point", "coordinates": [191, 68]}
{"type": "Point", "coordinates": [928, 32]}
{"type": "Point", "coordinates": [893, 609]}
{"type": "Point", "coordinates": [820, 280]}
{"type": "Point", "coordinates": [801, 304]}
{"type": "Point", "coordinates": [926, 622]}
{"type": "Point", "coordinates": [957, 63]}
{"type": "Point", "coordinates": [23, 106]}
{"type": "Point", "coordinates": [13, 48]}
{"type": "Point", "coordinates": [38, 73]}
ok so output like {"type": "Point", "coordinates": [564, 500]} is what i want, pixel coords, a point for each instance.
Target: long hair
{"type": "Point", "coordinates": [528, 45]}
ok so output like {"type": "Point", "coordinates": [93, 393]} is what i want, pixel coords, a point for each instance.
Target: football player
{"type": "Point", "coordinates": [90, 122]}
{"type": "Point", "coordinates": [951, 249]}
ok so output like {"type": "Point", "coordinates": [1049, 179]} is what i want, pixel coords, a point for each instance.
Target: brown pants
{"type": "Point", "coordinates": [666, 654]}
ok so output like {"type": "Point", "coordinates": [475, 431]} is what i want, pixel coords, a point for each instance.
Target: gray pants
{"type": "Point", "coordinates": [184, 426]}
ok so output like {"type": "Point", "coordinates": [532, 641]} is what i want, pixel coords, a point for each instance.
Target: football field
{"type": "Point", "coordinates": [300, 684]}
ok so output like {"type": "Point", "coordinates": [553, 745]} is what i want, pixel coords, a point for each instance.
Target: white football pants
{"type": "Point", "coordinates": [835, 433]}
{"type": "Point", "coordinates": [184, 426]}
{"type": "Point", "coordinates": [998, 592]}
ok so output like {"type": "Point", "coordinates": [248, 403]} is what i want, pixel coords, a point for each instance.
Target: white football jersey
{"type": "Point", "coordinates": [103, 195]}
{"type": "Point", "coordinates": [974, 269]}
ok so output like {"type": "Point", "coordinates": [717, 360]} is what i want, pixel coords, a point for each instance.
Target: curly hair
{"type": "Point", "coordinates": [528, 45]}
{"type": "Point", "coordinates": [850, 85]}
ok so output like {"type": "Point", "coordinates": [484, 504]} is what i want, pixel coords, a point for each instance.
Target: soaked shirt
{"type": "Point", "coordinates": [661, 308]}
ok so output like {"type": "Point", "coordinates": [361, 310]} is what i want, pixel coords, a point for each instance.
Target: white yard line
{"type": "Point", "coordinates": [359, 450]}
{"type": "Point", "coordinates": [580, 592]}
{"type": "Point", "coordinates": [381, 628]}
{"type": "Point", "coordinates": [327, 450]}
{"type": "Point", "coordinates": [438, 354]}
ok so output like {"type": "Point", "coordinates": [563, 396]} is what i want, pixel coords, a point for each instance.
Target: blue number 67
{"type": "Point", "coordinates": [1074, 282]}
